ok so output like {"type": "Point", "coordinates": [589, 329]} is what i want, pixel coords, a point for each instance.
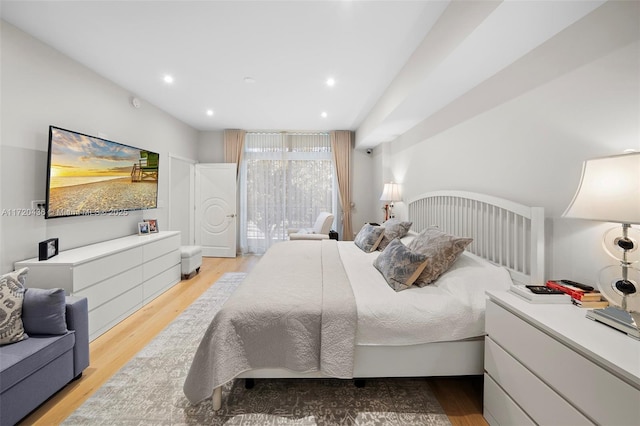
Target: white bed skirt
{"type": "Point", "coordinates": [459, 358]}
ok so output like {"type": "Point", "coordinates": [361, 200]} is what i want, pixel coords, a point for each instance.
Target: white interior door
{"type": "Point", "coordinates": [215, 212]}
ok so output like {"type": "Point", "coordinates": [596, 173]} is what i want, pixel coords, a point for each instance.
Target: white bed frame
{"type": "Point", "coordinates": [505, 233]}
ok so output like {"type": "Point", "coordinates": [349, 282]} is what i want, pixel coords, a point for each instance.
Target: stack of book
{"type": "Point", "coordinates": [531, 297]}
{"type": "Point", "coordinates": [581, 295]}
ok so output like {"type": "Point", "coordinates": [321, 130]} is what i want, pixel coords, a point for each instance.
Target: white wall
{"type": "Point", "coordinates": [524, 134]}
{"type": "Point", "coordinates": [42, 87]}
{"type": "Point", "coordinates": [211, 147]}
{"type": "Point", "coordinates": [363, 191]}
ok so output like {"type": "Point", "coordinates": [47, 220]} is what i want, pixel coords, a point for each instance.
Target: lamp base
{"type": "Point", "coordinates": [616, 318]}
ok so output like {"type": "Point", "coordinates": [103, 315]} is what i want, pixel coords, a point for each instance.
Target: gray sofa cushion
{"type": "Point", "coordinates": [43, 311]}
{"type": "Point", "coordinates": [19, 361]}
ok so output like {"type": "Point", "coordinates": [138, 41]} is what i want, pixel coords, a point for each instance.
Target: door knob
{"type": "Point", "coordinates": [231, 215]}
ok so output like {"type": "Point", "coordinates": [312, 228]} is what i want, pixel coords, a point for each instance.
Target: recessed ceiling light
{"type": "Point", "coordinates": [210, 112]}
{"type": "Point", "coordinates": [331, 82]}
{"type": "Point", "coordinates": [168, 79]}
{"type": "Point", "coordinates": [249, 80]}
{"type": "Point", "coordinates": [323, 114]}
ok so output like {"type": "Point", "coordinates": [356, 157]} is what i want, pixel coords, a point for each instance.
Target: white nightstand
{"type": "Point", "coordinates": [549, 364]}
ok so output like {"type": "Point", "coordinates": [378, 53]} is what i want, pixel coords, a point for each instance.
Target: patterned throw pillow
{"type": "Point", "coordinates": [393, 228]}
{"type": "Point", "coordinates": [442, 250]}
{"type": "Point", "coordinates": [369, 237]}
{"type": "Point", "coordinates": [11, 298]}
{"type": "Point", "coordinates": [399, 265]}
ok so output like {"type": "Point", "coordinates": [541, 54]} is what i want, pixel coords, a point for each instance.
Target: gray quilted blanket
{"type": "Point", "coordinates": [295, 310]}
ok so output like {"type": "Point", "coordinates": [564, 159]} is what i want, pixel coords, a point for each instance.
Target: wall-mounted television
{"type": "Point", "coordinates": [87, 175]}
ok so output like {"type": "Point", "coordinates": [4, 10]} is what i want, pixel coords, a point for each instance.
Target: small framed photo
{"type": "Point", "coordinates": [143, 228]}
{"type": "Point", "coordinates": [47, 249]}
{"type": "Point", "coordinates": [153, 225]}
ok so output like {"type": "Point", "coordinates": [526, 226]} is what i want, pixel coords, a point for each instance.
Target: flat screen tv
{"type": "Point", "coordinates": [92, 176]}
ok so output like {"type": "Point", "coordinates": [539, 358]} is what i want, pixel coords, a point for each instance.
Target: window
{"type": "Point", "coordinates": [286, 180]}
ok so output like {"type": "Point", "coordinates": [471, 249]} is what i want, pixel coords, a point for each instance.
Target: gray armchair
{"type": "Point", "coordinates": [319, 231]}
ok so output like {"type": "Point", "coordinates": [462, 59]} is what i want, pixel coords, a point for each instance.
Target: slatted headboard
{"type": "Point", "coordinates": [504, 232]}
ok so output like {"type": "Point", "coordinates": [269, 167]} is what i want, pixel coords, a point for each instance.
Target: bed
{"type": "Point", "coordinates": [320, 309]}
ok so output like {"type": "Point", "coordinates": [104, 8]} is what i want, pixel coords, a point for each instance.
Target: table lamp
{"type": "Point", "coordinates": [390, 193]}
{"type": "Point", "coordinates": [609, 191]}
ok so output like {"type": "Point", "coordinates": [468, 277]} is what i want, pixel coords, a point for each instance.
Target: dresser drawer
{"type": "Point", "coordinates": [109, 289]}
{"type": "Point", "coordinates": [96, 270]}
{"type": "Point", "coordinates": [499, 409]}
{"type": "Point", "coordinates": [541, 402]}
{"type": "Point", "coordinates": [601, 396]}
{"type": "Point", "coordinates": [109, 314]}
{"type": "Point", "coordinates": [155, 286]}
{"type": "Point", "coordinates": [161, 264]}
{"type": "Point", "coordinates": [158, 248]}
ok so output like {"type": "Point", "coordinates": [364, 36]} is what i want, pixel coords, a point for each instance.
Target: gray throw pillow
{"type": "Point", "coordinates": [399, 266]}
{"type": "Point", "coordinates": [393, 228]}
{"type": "Point", "coordinates": [369, 237]}
{"type": "Point", "coordinates": [442, 250]}
{"type": "Point", "coordinates": [43, 311]}
{"type": "Point", "coordinates": [11, 301]}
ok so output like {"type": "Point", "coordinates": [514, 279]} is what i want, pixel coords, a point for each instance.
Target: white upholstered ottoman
{"type": "Point", "coordinates": [191, 259]}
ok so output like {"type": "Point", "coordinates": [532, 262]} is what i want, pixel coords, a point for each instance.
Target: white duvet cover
{"type": "Point", "coordinates": [450, 309]}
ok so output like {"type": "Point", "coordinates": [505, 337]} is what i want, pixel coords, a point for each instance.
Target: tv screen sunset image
{"type": "Point", "coordinates": [89, 175]}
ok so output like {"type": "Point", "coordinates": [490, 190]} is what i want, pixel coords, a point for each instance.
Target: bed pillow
{"type": "Point", "coordinates": [43, 311]}
{"type": "Point", "coordinates": [400, 266]}
{"type": "Point", "coordinates": [393, 228]}
{"type": "Point", "coordinates": [12, 293]}
{"type": "Point", "coordinates": [369, 237]}
{"type": "Point", "coordinates": [442, 250]}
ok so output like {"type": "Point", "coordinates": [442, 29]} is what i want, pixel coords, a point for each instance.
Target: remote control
{"type": "Point", "coordinates": [579, 285]}
{"type": "Point", "coordinates": [542, 289]}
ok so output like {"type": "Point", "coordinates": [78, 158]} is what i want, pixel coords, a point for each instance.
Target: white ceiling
{"type": "Point", "coordinates": [290, 48]}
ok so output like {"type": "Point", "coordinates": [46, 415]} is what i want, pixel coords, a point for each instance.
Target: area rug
{"type": "Point", "coordinates": [148, 389]}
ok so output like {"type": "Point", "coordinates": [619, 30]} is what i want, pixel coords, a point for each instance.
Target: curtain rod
{"type": "Point", "coordinates": [272, 132]}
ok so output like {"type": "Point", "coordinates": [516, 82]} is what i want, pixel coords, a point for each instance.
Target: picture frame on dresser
{"type": "Point", "coordinates": [143, 228]}
{"type": "Point", "coordinates": [47, 249]}
{"type": "Point", "coordinates": [153, 225]}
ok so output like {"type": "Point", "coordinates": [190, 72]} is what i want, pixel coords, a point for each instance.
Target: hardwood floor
{"type": "Point", "coordinates": [461, 398]}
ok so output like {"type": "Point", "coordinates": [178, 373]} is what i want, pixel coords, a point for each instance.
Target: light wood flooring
{"type": "Point", "coordinates": [461, 398]}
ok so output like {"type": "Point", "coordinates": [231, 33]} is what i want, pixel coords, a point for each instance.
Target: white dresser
{"type": "Point", "coordinates": [549, 365]}
{"type": "Point", "coordinates": [117, 276]}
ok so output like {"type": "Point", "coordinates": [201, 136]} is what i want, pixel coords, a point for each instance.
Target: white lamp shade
{"type": "Point", "coordinates": [391, 192]}
{"type": "Point", "coordinates": [609, 190]}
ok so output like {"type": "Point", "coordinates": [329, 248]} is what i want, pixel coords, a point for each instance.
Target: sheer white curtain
{"type": "Point", "coordinates": [286, 180]}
